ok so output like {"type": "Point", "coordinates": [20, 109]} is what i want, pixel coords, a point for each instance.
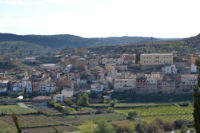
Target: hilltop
{"type": "Point", "coordinates": [61, 41]}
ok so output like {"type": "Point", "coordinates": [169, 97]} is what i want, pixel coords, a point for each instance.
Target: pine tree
{"type": "Point", "coordinates": [196, 96]}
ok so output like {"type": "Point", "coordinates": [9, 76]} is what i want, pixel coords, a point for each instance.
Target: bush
{"type": "Point", "coordinates": [155, 126]}
{"type": "Point", "coordinates": [165, 125]}
{"type": "Point", "coordinates": [142, 127]}
{"type": "Point", "coordinates": [123, 126]}
{"type": "Point", "coordinates": [132, 115]}
{"type": "Point", "coordinates": [61, 108]}
{"type": "Point", "coordinates": [184, 129]}
{"type": "Point", "coordinates": [87, 127]}
{"type": "Point", "coordinates": [178, 124]}
{"type": "Point", "coordinates": [110, 110]}
{"type": "Point", "coordinates": [104, 127]}
{"type": "Point", "coordinates": [83, 99]}
{"type": "Point", "coordinates": [68, 102]}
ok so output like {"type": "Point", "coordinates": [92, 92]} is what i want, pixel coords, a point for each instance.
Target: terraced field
{"type": "Point", "coordinates": [168, 112]}
{"type": "Point", "coordinates": [6, 109]}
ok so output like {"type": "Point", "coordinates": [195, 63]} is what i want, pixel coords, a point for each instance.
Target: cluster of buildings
{"type": "Point", "coordinates": [86, 71]}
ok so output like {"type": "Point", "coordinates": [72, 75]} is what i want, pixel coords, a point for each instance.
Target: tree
{"type": "Point", "coordinates": [196, 96]}
{"type": "Point", "coordinates": [83, 99]}
{"type": "Point", "coordinates": [104, 127]}
{"type": "Point", "coordinates": [87, 127]}
{"type": "Point", "coordinates": [15, 120]}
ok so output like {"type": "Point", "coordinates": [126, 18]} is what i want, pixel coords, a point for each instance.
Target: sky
{"type": "Point", "coordinates": [101, 18]}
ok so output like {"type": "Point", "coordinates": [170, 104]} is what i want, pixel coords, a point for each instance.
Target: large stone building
{"type": "Point", "coordinates": [156, 59]}
{"type": "Point", "coordinates": [124, 84]}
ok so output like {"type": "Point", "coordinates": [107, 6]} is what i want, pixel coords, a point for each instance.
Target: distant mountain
{"type": "Point", "coordinates": [66, 40]}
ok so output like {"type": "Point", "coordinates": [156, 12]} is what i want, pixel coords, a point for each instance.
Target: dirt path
{"type": "Point", "coordinates": [22, 105]}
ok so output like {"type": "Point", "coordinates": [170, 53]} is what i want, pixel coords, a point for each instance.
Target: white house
{"type": "Point", "coordinates": [113, 60]}
{"type": "Point", "coordinates": [189, 79]}
{"type": "Point", "coordinates": [65, 93]}
{"type": "Point", "coordinates": [47, 87]}
{"type": "Point", "coordinates": [18, 87]}
{"type": "Point", "coordinates": [97, 87]}
{"type": "Point", "coordinates": [193, 68]}
{"type": "Point", "coordinates": [69, 68]}
{"type": "Point", "coordinates": [49, 66]}
{"type": "Point", "coordinates": [124, 84]}
{"type": "Point", "coordinates": [169, 69]}
{"type": "Point", "coordinates": [22, 86]}
{"type": "Point", "coordinates": [59, 98]}
{"type": "Point", "coordinates": [68, 92]}
{"type": "Point", "coordinates": [3, 85]}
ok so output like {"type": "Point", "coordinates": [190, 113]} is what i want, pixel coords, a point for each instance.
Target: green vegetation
{"type": "Point", "coordinates": [20, 49]}
{"type": "Point", "coordinates": [64, 109]}
{"type": "Point", "coordinates": [15, 120]}
{"type": "Point", "coordinates": [124, 126]}
{"type": "Point", "coordinates": [68, 102]}
{"type": "Point", "coordinates": [104, 127]}
{"type": "Point", "coordinates": [7, 109]}
{"type": "Point", "coordinates": [155, 126]}
{"type": "Point", "coordinates": [87, 127]}
{"type": "Point", "coordinates": [128, 117]}
{"type": "Point", "coordinates": [181, 47]}
{"type": "Point", "coordinates": [169, 112]}
{"type": "Point", "coordinates": [196, 113]}
{"type": "Point", "coordinates": [83, 99]}
{"type": "Point", "coordinates": [132, 115]}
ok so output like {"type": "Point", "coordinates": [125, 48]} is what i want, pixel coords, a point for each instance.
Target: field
{"type": "Point", "coordinates": [69, 123]}
{"type": "Point", "coordinates": [44, 124]}
{"type": "Point", "coordinates": [6, 109]}
{"type": "Point", "coordinates": [169, 112]}
{"type": "Point", "coordinates": [32, 123]}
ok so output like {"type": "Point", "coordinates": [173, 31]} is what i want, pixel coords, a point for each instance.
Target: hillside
{"type": "Point", "coordinates": [64, 40]}
{"type": "Point", "coordinates": [193, 41]}
{"type": "Point", "coordinates": [22, 49]}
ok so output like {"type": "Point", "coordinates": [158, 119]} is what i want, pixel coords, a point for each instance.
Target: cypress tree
{"type": "Point", "coordinates": [196, 96]}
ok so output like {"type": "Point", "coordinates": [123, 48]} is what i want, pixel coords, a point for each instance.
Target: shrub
{"type": "Point", "coordinates": [132, 115]}
{"type": "Point", "coordinates": [104, 127]}
{"type": "Point", "coordinates": [178, 124]}
{"type": "Point", "coordinates": [142, 127]}
{"type": "Point", "coordinates": [155, 126]}
{"type": "Point", "coordinates": [87, 127]}
{"type": "Point", "coordinates": [165, 125]}
{"type": "Point", "coordinates": [123, 126]}
{"type": "Point", "coordinates": [110, 110]}
{"type": "Point", "coordinates": [66, 110]}
{"type": "Point", "coordinates": [83, 99]}
{"type": "Point", "coordinates": [184, 129]}
{"type": "Point", "coordinates": [68, 102]}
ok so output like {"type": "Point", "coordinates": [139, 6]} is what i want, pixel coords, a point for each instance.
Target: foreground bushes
{"type": "Point", "coordinates": [64, 109]}
{"type": "Point", "coordinates": [156, 126]}
{"type": "Point", "coordinates": [123, 126]}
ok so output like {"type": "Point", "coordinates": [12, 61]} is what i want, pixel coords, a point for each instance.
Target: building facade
{"type": "Point", "coordinates": [156, 59]}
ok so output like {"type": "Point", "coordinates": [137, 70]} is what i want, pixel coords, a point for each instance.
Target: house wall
{"type": "Point", "coordinates": [156, 59]}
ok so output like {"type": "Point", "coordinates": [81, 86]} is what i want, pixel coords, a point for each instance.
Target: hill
{"type": "Point", "coordinates": [66, 40]}
{"type": "Point", "coordinates": [193, 41]}
{"type": "Point", "coordinates": [22, 49]}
